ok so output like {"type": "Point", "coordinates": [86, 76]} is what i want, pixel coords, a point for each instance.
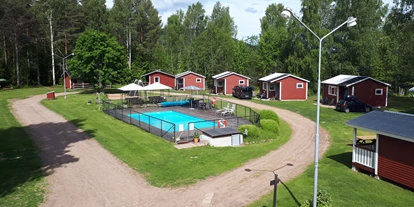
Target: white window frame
{"type": "Point", "coordinates": [299, 84]}
{"type": "Point", "coordinates": [264, 86]}
{"type": "Point", "coordinates": [198, 80]}
{"type": "Point", "coordinates": [270, 87]}
{"type": "Point", "coordinates": [218, 83]}
{"type": "Point", "coordinates": [241, 82]}
{"type": "Point", "coordinates": [330, 90]}
{"type": "Point", "coordinates": [155, 78]}
{"type": "Point", "coordinates": [379, 89]}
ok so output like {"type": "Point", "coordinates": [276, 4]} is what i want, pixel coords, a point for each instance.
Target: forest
{"type": "Point", "coordinates": [37, 35]}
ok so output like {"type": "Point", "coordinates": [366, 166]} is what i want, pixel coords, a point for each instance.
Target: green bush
{"type": "Point", "coordinates": [270, 125]}
{"type": "Point", "coordinates": [323, 199]}
{"type": "Point", "coordinates": [269, 114]}
{"type": "Point", "coordinates": [253, 131]}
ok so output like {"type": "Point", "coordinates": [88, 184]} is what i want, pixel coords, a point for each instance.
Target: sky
{"type": "Point", "coordinates": [246, 13]}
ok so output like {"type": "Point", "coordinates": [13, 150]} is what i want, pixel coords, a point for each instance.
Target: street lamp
{"type": "Point", "coordinates": [64, 71]}
{"type": "Point", "coordinates": [273, 182]}
{"type": "Point", "coordinates": [350, 22]}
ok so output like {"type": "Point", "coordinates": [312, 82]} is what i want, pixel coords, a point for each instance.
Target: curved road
{"type": "Point", "coordinates": [82, 173]}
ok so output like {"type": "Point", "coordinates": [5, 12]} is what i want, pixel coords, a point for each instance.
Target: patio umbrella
{"type": "Point", "coordinates": [411, 90]}
{"type": "Point", "coordinates": [192, 88]}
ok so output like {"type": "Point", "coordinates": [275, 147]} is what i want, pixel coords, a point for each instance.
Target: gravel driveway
{"type": "Point", "coordinates": [80, 172]}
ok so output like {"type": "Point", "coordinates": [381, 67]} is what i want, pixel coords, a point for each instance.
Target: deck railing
{"type": "Point", "coordinates": [365, 154]}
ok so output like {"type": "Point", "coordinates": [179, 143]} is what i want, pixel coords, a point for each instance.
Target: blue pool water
{"type": "Point", "coordinates": [171, 116]}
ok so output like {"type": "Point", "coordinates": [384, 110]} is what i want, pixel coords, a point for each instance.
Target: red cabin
{"type": "Point", "coordinates": [389, 153]}
{"type": "Point", "coordinates": [225, 82]}
{"type": "Point", "coordinates": [159, 76]}
{"type": "Point", "coordinates": [367, 89]}
{"type": "Point", "coordinates": [284, 86]}
{"type": "Point", "coordinates": [190, 78]}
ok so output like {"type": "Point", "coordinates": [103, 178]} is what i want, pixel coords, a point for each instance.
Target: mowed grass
{"type": "Point", "coordinates": [158, 160]}
{"type": "Point", "coordinates": [21, 178]}
{"type": "Point", "coordinates": [346, 187]}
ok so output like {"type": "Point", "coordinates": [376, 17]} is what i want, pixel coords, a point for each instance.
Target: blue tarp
{"type": "Point", "coordinates": [175, 103]}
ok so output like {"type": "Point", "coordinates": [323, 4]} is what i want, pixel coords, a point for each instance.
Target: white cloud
{"type": "Point", "coordinates": [247, 21]}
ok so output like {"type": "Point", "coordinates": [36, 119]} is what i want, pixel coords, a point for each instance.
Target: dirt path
{"type": "Point", "coordinates": [82, 173]}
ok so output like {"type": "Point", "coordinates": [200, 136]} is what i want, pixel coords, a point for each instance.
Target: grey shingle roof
{"type": "Point", "coordinates": [393, 123]}
{"type": "Point", "coordinates": [220, 132]}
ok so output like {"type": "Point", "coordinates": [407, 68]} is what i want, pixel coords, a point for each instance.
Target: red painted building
{"type": "Point", "coordinates": [284, 86]}
{"type": "Point", "coordinates": [366, 89]}
{"type": "Point", "coordinates": [159, 76]}
{"type": "Point", "coordinates": [388, 154]}
{"type": "Point", "coordinates": [190, 78]}
{"type": "Point", "coordinates": [225, 82]}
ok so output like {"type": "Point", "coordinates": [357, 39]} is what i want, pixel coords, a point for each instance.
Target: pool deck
{"type": "Point", "coordinates": [186, 136]}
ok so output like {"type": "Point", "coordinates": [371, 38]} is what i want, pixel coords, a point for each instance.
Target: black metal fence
{"type": "Point", "coordinates": [148, 123]}
{"type": "Point", "coordinates": [123, 110]}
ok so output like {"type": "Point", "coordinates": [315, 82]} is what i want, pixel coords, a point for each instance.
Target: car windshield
{"type": "Point", "coordinates": [247, 89]}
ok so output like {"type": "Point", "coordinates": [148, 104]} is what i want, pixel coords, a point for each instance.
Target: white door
{"type": "Point", "coordinates": [235, 139]}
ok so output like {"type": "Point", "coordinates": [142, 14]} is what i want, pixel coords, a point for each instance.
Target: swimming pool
{"type": "Point", "coordinates": [171, 116]}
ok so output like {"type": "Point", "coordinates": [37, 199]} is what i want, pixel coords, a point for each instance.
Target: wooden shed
{"type": "Point", "coordinates": [225, 82]}
{"type": "Point", "coordinates": [367, 89]}
{"type": "Point", "coordinates": [284, 86]}
{"type": "Point", "coordinates": [190, 78]}
{"type": "Point", "coordinates": [159, 76]}
{"type": "Point", "coordinates": [222, 137]}
{"type": "Point", "coordinates": [389, 153]}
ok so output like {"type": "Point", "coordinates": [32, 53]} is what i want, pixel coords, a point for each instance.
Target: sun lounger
{"type": "Point", "coordinates": [223, 109]}
{"type": "Point", "coordinates": [229, 111]}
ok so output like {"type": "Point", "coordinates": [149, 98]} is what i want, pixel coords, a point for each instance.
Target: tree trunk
{"type": "Point", "coordinates": [37, 63]}
{"type": "Point", "coordinates": [129, 49]}
{"type": "Point", "coordinates": [5, 49]}
{"type": "Point", "coordinates": [51, 45]}
{"type": "Point", "coordinates": [17, 61]}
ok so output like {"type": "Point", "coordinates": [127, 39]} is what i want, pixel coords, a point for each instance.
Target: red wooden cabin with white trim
{"type": "Point", "coordinates": [159, 76]}
{"type": "Point", "coordinates": [225, 82]}
{"type": "Point", "coordinates": [190, 78]}
{"type": "Point", "coordinates": [389, 153]}
{"type": "Point", "coordinates": [366, 89]}
{"type": "Point", "coordinates": [284, 86]}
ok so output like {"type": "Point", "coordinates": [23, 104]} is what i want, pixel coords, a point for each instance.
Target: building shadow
{"type": "Point", "coordinates": [32, 152]}
{"type": "Point", "coordinates": [343, 158]}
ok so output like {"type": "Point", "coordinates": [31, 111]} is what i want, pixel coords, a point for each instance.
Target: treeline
{"type": "Point", "coordinates": [381, 45]}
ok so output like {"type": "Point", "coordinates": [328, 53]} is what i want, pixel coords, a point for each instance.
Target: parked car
{"type": "Point", "coordinates": [243, 92]}
{"type": "Point", "coordinates": [351, 103]}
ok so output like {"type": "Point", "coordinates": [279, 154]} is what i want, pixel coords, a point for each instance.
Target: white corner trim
{"type": "Point", "coordinates": [376, 155]}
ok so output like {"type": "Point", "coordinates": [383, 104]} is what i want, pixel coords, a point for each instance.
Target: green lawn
{"type": "Point", "coordinates": [21, 179]}
{"type": "Point", "coordinates": [158, 160]}
{"type": "Point", "coordinates": [346, 187]}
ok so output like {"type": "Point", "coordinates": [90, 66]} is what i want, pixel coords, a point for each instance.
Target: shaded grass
{"type": "Point", "coordinates": [21, 178]}
{"type": "Point", "coordinates": [158, 160]}
{"type": "Point", "coordinates": [346, 187]}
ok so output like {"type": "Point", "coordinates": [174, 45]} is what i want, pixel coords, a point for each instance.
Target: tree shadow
{"type": "Point", "coordinates": [344, 158]}
{"type": "Point", "coordinates": [30, 153]}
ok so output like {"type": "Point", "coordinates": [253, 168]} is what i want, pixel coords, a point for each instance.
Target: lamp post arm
{"type": "Point", "coordinates": [303, 24]}
{"type": "Point", "coordinates": [334, 30]}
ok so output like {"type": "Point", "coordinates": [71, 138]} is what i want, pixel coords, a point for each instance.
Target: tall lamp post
{"type": "Point", "coordinates": [350, 22]}
{"type": "Point", "coordinates": [64, 72]}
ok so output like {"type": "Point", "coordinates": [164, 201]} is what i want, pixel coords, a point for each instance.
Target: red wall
{"type": "Point", "coordinates": [164, 79]}
{"type": "Point", "coordinates": [325, 93]}
{"type": "Point", "coordinates": [365, 91]}
{"type": "Point", "coordinates": [67, 81]}
{"type": "Point", "coordinates": [395, 160]}
{"type": "Point", "coordinates": [289, 90]}
{"type": "Point", "coordinates": [190, 80]}
{"type": "Point", "coordinates": [233, 80]}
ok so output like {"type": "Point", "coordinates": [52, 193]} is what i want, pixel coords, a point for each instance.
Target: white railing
{"type": "Point", "coordinates": [365, 155]}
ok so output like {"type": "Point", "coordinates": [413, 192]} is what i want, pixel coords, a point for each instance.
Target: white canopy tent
{"type": "Point", "coordinates": [156, 86]}
{"type": "Point", "coordinates": [132, 88]}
